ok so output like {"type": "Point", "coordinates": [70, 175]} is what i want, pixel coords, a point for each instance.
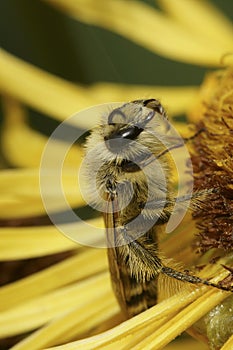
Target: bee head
{"type": "Point", "coordinates": [127, 122]}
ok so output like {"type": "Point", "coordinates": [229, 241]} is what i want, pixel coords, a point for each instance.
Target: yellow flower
{"type": "Point", "coordinates": [70, 305]}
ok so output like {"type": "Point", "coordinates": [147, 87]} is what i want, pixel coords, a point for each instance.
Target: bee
{"type": "Point", "coordinates": [131, 167]}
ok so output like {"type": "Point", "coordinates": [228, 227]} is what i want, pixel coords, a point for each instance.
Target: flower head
{"type": "Point", "coordinates": [213, 165]}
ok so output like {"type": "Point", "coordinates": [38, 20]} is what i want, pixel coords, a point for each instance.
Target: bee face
{"type": "Point", "coordinates": [130, 130]}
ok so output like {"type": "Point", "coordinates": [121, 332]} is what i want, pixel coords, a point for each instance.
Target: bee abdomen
{"type": "Point", "coordinates": [139, 296]}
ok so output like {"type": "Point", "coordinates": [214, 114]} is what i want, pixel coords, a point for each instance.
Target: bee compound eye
{"type": "Point", "coordinates": [131, 132]}
{"type": "Point", "coordinates": [116, 117]}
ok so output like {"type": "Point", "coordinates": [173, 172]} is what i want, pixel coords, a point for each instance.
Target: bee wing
{"type": "Point", "coordinates": [133, 295]}
{"type": "Point", "coordinates": [113, 231]}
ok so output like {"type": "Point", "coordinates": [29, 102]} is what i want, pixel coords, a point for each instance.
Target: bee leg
{"type": "Point", "coordinates": [178, 145]}
{"type": "Point", "coordinates": [111, 187]}
{"type": "Point", "coordinates": [185, 277]}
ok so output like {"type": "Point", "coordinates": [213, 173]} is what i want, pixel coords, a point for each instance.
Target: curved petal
{"type": "Point", "coordinates": [59, 98]}
{"type": "Point", "coordinates": [154, 326]}
{"type": "Point", "coordinates": [23, 146]}
{"type": "Point", "coordinates": [202, 18]}
{"type": "Point", "coordinates": [76, 297]}
{"type": "Point", "coordinates": [40, 240]}
{"type": "Point", "coordinates": [80, 266]}
{"type": "Point", "coordinates": [70, 323]}
{"type": "Point", "coordinates": [146, 26]}
{"type": "Point", "coordinates": [180, 322]}
{"type": "Point", "coordinates": [21, 192]}
{"type": "Point", "coordinates": [184, 344]}
{"type": "Point", "coordinates": [229, 344]}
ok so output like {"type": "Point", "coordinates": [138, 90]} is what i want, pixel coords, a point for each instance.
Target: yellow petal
{"type": "Point", "coordinates": [228, 345]}
{"type": "Point", "coordinates": [60, 99]}
{"type": "Point", "coordinates": [202, 18]}
{"type": "Point", "coordinates": [78, 267]}
{"type": "Point", "coordinates": [179, 323]}
{"type": "Point", "coordinates": [38, 311]}
{"type": "Point", "coordinates": [190, 344]}
{"type": "Point", "coordinates": [155, 31]}
{"type": "Point", "coordinates": [21, 192]}
{"type": "Point", "coordinates": [71, 323]}
{"type": "Point", "coordinates": [23, 146]}
{"type": "Point", "coordinates": [30, 242]}
{"type": "Point", "coordinates": [177, 100]}
{"type": "Point", "coordinates": [39, 89]}
{"type": "Point", "coordinates": [128, 334]}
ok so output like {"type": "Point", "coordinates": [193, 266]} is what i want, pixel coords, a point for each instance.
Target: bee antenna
{"type": "Point", "coordinates": [185, 139]}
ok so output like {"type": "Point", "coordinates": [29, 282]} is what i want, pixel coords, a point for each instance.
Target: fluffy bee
{"type": "Point", "coordinates": [129, 164]}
